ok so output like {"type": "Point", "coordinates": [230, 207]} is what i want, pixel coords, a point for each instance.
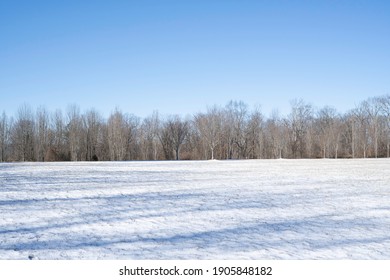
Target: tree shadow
{"type": "Point", "coordinates": [308, 232]}
{"type": "Point", "coordinates": [313, 232]}
{"type": "Point", "coordinates": [258, 236]}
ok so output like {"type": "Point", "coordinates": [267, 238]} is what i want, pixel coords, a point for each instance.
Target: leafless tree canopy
{"type": "Point", "coordinates": [233, 131]}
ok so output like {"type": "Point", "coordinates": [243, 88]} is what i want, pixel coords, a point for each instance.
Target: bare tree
{"type": "Point", "coordinates": [166, 140]}
{"type": "Point", "coordinates": [299, 122]}
{"type": "Point", "coordinates": [92, 124]}
{"type": "Point", "coordinates": [4, 137]}
{"type": "Point", "coordinates": [132, 127]}
{"type": "Point", "coordinates": [276, 131]}
{"type": "Point", "coordinates": [178, 130]}
{"type": "Point", "coordinates": [42, 133]}
{"type": "Point", "coordinates": [74, 132]}
{"type": "Point", "coordinates": [350, 135]}
{"type": "Point", "coordinates": [23, 135]}
{"type": "Point", "coordinates": [361, 126]}
{"type": "Point", "coordinates": [229, 132]}
{"type": "Point", "coordinates": [117, 136]}
{"type": "Point", "coordinates": [103, 143]}
{"type": "Point", "coordinates": [384, 103]}
{"type": "Point", "coordinates": [209, 127]}
{"type": "Point", "coordinates": [326, 126]}
{"type": "Point", "coordinates": [254, 132]}
{"type": "Point", "coordinates": [149, 136]}
{"type": "Point", "coordinates": [58, 139]}
{"type": "Point", "coordinates": [237, 117]}
{"type": "Point", "coordinates": [372, 107]}
{"type": "Point", "coordinates": [337, 130]}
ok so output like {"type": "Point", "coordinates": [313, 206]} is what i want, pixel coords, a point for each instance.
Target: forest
{"type": "Point", "coordinates": [233, 131]}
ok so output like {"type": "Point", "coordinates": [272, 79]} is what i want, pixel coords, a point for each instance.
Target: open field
{"type": "Point", "coordinates": [255, 209]}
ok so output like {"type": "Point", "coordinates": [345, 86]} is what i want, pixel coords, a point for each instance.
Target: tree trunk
{"type": "Point", "coordinates": [177, 153]}
{"type": "Point", "coordinates": [324, 151]}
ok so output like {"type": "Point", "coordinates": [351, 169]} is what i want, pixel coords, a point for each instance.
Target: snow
{"type": "Point", "coordinates": [249, 209]}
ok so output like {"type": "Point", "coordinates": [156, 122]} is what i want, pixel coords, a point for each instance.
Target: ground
{"type": "Point", "coordinates": [249, 209]}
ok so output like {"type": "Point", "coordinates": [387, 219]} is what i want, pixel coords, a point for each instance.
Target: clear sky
{"type": "Point", "coordinates": [179, 57]}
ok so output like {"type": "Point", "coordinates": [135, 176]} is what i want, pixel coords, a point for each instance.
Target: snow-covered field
{"type": "Point", "coordinates": [255, 209]}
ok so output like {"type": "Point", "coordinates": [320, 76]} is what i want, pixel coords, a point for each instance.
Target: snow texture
{"type": "Point", "coordinates": [253, 209]}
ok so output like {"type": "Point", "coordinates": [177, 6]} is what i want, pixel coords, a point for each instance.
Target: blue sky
{"type": "Point", "coordinates": [179, 57]}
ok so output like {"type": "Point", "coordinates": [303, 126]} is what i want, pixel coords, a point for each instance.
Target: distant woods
{"type": "Point", "coordinates": [231, 132]}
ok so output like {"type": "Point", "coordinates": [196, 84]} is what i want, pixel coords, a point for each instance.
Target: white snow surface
{"type": "Point", "coordinates": [248, 209]}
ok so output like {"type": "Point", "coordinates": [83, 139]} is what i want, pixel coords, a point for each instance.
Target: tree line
{"type": "Point", "coordinates": [233, 131]}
